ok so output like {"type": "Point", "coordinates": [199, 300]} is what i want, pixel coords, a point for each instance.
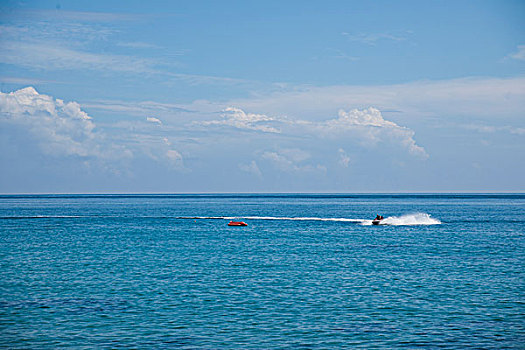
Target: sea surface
{"type": "Point", "coordinates": [308, 272]}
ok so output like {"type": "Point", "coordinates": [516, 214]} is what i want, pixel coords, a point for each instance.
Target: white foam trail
{"type": "Point", "coordinates": [407, 220]}
{"type": "Point", "coordinates": [274, 218]}
{"type": "Point", "coordinates": [302, 218]}
{"type": "Point", "coordinates": [42, 217]}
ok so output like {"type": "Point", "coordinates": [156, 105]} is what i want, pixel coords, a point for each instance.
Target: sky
{"type": "Point", "coordinates": [262, 96]}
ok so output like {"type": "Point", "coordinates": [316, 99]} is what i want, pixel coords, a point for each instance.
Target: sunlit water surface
{"type": "Point", "coordinates": [143, 271]}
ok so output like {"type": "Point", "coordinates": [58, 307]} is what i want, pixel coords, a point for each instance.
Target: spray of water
{"type": "Point", "coordinates": [407, 220]}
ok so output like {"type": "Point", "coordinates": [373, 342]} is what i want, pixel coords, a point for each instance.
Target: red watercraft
{"type": "Point", "coordinates": [237, 223]}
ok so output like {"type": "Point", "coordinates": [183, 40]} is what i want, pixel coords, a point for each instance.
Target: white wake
{"type": "Point", "coordinates": [407, 220]}
{"type": "Point", "coordinates": [274, 218]}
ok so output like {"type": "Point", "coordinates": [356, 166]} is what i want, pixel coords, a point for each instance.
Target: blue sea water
{"type": "Point", "coordinates": [141, 271]}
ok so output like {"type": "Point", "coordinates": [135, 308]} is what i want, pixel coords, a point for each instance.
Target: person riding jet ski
{"type": "Point", "coordinates": [377, 220]}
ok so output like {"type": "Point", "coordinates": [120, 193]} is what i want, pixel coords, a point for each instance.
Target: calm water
{"type": "Point", "coordinates": [136, 271]}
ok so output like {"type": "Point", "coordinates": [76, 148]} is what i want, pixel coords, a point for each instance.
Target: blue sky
{"type": "Point", "coordinates": [269, 96]}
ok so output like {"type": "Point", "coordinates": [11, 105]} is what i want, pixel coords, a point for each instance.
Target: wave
{"type": "Point", "coordinates": [407, 220]}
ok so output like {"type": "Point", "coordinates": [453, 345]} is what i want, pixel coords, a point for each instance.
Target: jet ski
{"type": "Point", "coordinates": [377, 220]}
{"type": "Point", "coordinates": [237, 223]}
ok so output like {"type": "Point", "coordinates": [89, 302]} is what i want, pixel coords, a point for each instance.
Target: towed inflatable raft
{"type": "Point", "coordinates": [237, 223]}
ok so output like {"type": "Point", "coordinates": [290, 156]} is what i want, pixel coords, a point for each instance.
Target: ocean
{"type": "Point", "coordinates": [309, 271]}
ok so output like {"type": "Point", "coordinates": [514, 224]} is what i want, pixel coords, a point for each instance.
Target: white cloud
{"type": "Point", "coordinates": [295, 154]}
{"type": "Point", "coordinates": [291, 160]}
{"type": "Point", "coordinates": [66, 43]}
{"type": "Point", "coordinates": [491, 128]}
{"type": "Point", "coordinates": [367, 125]}
{"type": "Point", "coordinates": [344, 159]}
{"type": "Point", "coordinates": [429, 104]}
{"type": "Point", "coordinates": [493, 98]}
{"type": "Point", "coordinates": [280, 161]}
{"type": "Point", "coordinates": [239, 119]}
{"type": "Point", "coordinates": [283, 162]}
{"type": "Point", "coordinates": [174, 157]}
{"type": "Point", "coordinates": [520, 54]}
{"type": "Point", "coordinates": [355, 117]}
{"type": "Point", "coordinates": [252, 168]}
{"type": "Point", "coordinates": [136, 108]}
{"type": "Point", "coordinates": [481, 128]}
{"type": "Point", "coordinates": [373, 38]}
{"type": "Point", "coordinates": [370, 126]}
{"type": "Point", "coordinates": [63, 129]}
{"type": "Point", "coordinates": [50, 56]}
{"type": "Point", "coordinates": [154, 120]}
{"type": "Point", "coordinates": [61, 56]}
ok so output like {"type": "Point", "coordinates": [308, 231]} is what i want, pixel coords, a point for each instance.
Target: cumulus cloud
{"type": "Point", "coordinates": [153, 120]}
{"type": "Point", "coordinates": [297, 155]}
{"type": "Point", "coordinates": [281, 161]}
{"type": "Point", "coordinates": [433, 100]}
{"type": "Point", "coordinates": [367, 126]}
{"type": "Point", "coordinates": [344, 159]}
{"type": "Point", "coordinates": [61, 128]}
{"type": "Point", "coordinates": [174, 157]}
{"type": "Point", "coordinates": [252, 168]}
{"type": "Point", "coordinates": [355, 117]}
{"type": "Point", "coordinates": [292, 160]}
{"type": "Point", "coordinates": [239, 119]}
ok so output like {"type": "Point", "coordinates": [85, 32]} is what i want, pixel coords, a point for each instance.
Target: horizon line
{"type": "Point", "coordinates": [254, 193]}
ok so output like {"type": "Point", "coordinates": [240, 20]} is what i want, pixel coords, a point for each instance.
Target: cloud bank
{"type": "Point", "coordinates": [370, 126]}
{"type": "Point", "coordinates": [367, 126]}
{"type": "Point", "coordinates": [63, 129]}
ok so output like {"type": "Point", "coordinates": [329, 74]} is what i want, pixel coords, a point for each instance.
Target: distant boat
{"type": "Point", "coordinates": [237, 223]}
